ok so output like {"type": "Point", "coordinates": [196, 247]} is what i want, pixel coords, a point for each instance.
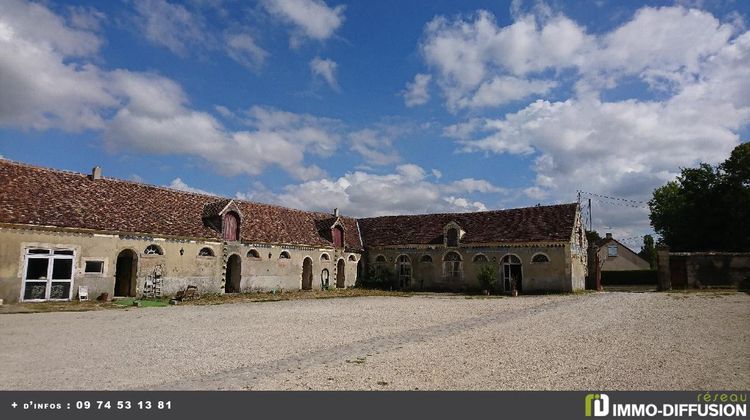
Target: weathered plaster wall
{"type": "Point", "coordinates": [179, 269]}
{"type": "Point", "coordinates": [549, 276]}
{"type": "Point", "coordinates": [625, 259]}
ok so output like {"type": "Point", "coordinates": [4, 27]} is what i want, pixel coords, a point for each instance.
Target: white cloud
{"type": "Point", "coordinates": [169, 25]}
{"type": "Point", "coordinates": [325, 69]}
{"type": "Point", "coordinates": [243, 49]}
{"type": "Point", "coordinates": [504, 89]}
{"type": "Point", "coordinates": [416, 92]}
{"type": "Point", "coordinates": [47, 85]}
{"type": "Point", "coordinates": [86, 18]}
{"type": "Point", "coordinates": [312, 19]}
{"type": "Point", "coordinates": [376, 147]}
{"type": "Point", "coordinates": [697, 74]}
{"type": "Point", "coordinates": [474, 58]}
{"type": "Point", "coordinates": [44, 83]}
{"type": "Point", "coordinates": [362, 194]}
{"type": "Point", "coordinates": [179, 184]}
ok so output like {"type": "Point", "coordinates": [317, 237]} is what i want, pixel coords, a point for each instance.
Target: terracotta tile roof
{"type": "Point", "coordinates": [40, 196]}
{"type": "Point", "coordinates": [530, 224]}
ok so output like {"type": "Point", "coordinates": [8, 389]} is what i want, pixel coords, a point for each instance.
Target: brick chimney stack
{"type": "Point", "coordinates": [609, 235]}
{"type": "Point", "coordinates": [336, 212]}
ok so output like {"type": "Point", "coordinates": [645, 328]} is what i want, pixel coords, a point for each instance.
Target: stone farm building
{"type": "Point", "coordinates": [60, 231]}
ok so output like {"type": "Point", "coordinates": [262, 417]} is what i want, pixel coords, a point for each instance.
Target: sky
{"type": "Point", "coordinates": [381, 107]}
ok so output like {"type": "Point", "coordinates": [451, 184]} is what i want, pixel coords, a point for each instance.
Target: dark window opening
{"type": "Point", "coordinates": [95, 267]}
{"type": "Point", "coordinates": [253, 254]}
{"type": "Point", "coordinates": [453, 237]}
{"type": "Point", "coordinates": [480, 259]}
{"type": "Point", "coordinates": [37, 269]}
{"type": "Point", "coordinates": [206, 252]}
{"type": "Point", "coordinates": [540, 258]}
{"type": "Point", "coordinates": [153, 250]}
{"type": "Point", "coordinates": [284, 255]}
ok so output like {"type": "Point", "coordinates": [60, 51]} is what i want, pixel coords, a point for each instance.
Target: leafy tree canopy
{"type": "Point", "coordinates": [706, 208]}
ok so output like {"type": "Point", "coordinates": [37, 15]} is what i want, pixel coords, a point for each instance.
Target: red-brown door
{"type": "Point", "coordinates": [231, 227]}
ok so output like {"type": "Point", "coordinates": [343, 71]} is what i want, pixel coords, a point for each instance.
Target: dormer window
{"type": "Point", "coordinates": [338, 236]}
{"type": "Point", "coordinates": [452, 237]}
{"type": "Point", "coordinates": [231, 226]}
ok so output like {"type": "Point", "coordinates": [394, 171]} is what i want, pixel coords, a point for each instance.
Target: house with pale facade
{"type": "Point", "coordinates": [614, 256]}
{"type": "Point", "coordinates": [62, 232]}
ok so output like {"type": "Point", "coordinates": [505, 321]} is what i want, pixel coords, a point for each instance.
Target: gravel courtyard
{"type": "Point", "coordinates": [607, 341]}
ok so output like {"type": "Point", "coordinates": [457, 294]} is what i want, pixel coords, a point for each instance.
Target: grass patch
{"type": "Point", "coordinates": [143, 303]}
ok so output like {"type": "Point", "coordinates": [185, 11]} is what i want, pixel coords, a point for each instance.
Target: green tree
{"type": "Point", "coordinates": [706, 208]}
{"type": "Point", "coordinates": [592, 237]}
{"type": "Point", "coordinates": [648, 252]}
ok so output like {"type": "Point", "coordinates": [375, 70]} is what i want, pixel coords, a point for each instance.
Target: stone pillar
{"type": "Point", "coordinates": [663, 279]}
{"type": "Point", "coordinates": [594, 278]}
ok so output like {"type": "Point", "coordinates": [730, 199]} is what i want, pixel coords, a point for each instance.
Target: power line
{"type": "Point", "coordinates": [580, 192]}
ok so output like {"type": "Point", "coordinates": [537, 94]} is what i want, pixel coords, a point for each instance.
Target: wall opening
{"type": "Point", "coordinates": [404, 272]}
{"type": "Point", "coordinates": [512, 273]}
{"type": "Point", "coordinates": [341, 274]}
{"type": "Point", "coordinates": [126, 273]}
{"type": "Point", "coordinates": [307, 274]}
{"type": "Point", "coordinates": [233, 275]}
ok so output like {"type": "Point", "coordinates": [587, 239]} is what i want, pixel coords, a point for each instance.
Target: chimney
{"type": "Point", "coordinates": [609, 235]}
{"type": "Point", "coordinates": [336, 212]}
{"type": "Point", "coordinates": [96, 173]}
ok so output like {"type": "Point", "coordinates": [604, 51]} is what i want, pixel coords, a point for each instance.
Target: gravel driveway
{"type": "Point", "coordinates": [608, 341]}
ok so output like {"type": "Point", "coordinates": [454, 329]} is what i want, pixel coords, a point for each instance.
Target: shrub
{"type": "Point", "coordinates": [487, 277]}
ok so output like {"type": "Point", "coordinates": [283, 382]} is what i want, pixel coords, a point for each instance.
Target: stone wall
{"type": "Point", "coordinates": [708, 269]}
{"type": "Point", "coordinates": [555, 275]}
{"type": "Point", "coordinates": [181, 264]}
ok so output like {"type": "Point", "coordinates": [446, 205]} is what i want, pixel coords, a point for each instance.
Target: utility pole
{"type": "Point", "coordinates": [590, 225]}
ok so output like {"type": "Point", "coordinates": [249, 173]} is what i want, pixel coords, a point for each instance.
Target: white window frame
{"type": "Point", "coordinates": [51, 257]}
{"type": "Point", "coordinates": [94, 274]}
{"type": "Point", "coordinates": [610, 249]}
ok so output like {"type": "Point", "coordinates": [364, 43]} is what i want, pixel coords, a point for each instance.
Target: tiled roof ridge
{"type": "Point", "coordinates": [469, 212]}
{"type": "Point", "coordinates": [162, 187]}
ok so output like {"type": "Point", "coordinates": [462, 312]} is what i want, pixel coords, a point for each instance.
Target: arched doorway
{"type": "Point", "coordinates": [512, 273]}
{"type": "Point", "coordinates": [126, 272]}
{"type": "Point", "coordinates": [234, 274]}
{"type": "Point", "coordinates": [341, 274]}
{"type": "Point", "coordinates": [404, 271]}
{"type": "Point", "coordinates": [307, 274]}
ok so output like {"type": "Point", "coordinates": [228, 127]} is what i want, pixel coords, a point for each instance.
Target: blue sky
{"type": "Point", "coordinates": [380, 107]}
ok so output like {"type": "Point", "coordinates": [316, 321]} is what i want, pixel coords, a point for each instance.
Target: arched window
{"type": "Point", "coordinates": [153, 249]}
{"type": "Point", "coordinates": [452, 270]}
{"type": "Point", "coordinates": [511, 259]}
{"type": "Point", "coordinates": [253, 254]}
{"type": "Point", "coordinates": [284, 255]}
{"type": "Point", "coordinates": [452, 237]}
{"type": "Point", "coordinates": [352, 258]}
{"type": "Point", "coordinates": [324, 257]}
{"type": "Point", "coordinates": [426, 259]}
{"type": "Point", "coordinates": [404, 271]}
{"type": "Point", "coordinates": [231, 226]}
{"type": "Point", "coordinates": [206, 252]}
{"type": "Point", "coordinates": [540, 258]}
{"type": "Point", "coordinates": [380, 259]}
{"type": "Point", "coordinates": [480, 259]}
